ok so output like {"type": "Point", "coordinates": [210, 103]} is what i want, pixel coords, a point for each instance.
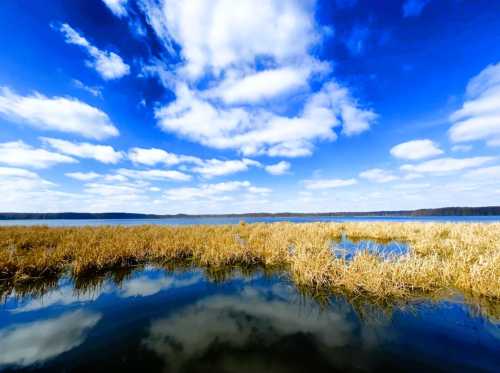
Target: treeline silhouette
{"type": "Point", "coordinates": [445, 211]}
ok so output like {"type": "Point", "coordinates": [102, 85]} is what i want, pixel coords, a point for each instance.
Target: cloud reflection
{"type": "Point", "coordinates": [146, 285]}
{"type": "Point", "coordinates": [63, 296]}
{"type": "Point", "coordinates": [239, 320]}
{"type": "Point", "coordinates": [38, 341]}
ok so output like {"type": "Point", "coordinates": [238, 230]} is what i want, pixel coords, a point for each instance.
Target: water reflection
{"type": "Point", "coordinates": [152, 282]}
{"type": "Point", "coordinates": [35, 342]}
{"type": "Point", "coordinates": [253, 319]}
{"type": "Point", "coordinates": [347, 248]}
{"type": "Point", "coordinates": [191, 320]}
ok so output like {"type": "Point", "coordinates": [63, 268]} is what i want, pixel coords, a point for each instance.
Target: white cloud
{"type": "Point", "coordinates": [17, 153]}
{"type": "Point", "coordinates": [461, 148]}
{"type": "Point", "coordinates": [261, 85]}
{"type": "Point", "coordinates": [216, 34]}
{"type": "Point", "coordinates": [485, 173]}
{"type": "Point", "coordinates": [215, 167]}
{"type": "Point", "coordinates": [17, 172]}
{"type": "Point", "coordinates": [94, 91]}
{"type": "Point", "coordinates": [443, 165]}
{"type": "Point", "coordinates": [378, 175]}
{"type": "Point", "coordinates": [108, 64]}
{"type": "Point", "coordinates": [416, 149]}
{"type": "Point", "coordinates": [154, 174]}
{"type": "Point", "coordinates": [56, 114]}
{"type": "Point", "coordinates": [122, 191]}
{"type": "Point", "coordinates": [413, 8]}
{"type": "Point", "coordinates": [218, 191]}
{"type": "Point", "coordinates": [83, 176]}
{"type": "Point", "coordinates": [117, 7]}
{"type": "Point", "coordinates": [479, 117]}
{"type": "Point", "coordinates": [223, 43]}
{"type": "Point", "coordinates": [24, 190]}
{"type": "Point", "coordinates": [153, 156]}
{"type": "Point", "coordinates": [101, 153]}
{"type": "Point", "coordinates": [328, 183]}
{"type": "Point", "coordinates": [38, 341]}
{"type": "Point", "coordinates": [260, 131]}
{"type": "Point", "coordinates": [17, 180]}
{"type": "Point", "coordinates": [412, 186]}
{"type": "Point", "coordinates": [279, 168]}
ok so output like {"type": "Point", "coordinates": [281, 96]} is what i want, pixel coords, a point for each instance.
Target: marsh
{"type": "Point", "coordinates": [292, 297]}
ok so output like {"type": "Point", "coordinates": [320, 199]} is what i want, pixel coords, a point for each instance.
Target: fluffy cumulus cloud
{"type": "Point", "coordinates": [378, 175]}
{"type": "Point", "coordinates": [444, 165]}
{"type": "Point", "coordinates": [249, 55]}
{"type": "Point", "coordinates": [319, 184]}
{"type": "Point", "coordinates": [416, 149]}
{"type": "Point", "coordinates": [217, 34]}
{"type": "Point", "coordinates": [101, 153]}
{"type": "Point", "coordinates": [56, 114]}
{"type": "Point", "coordinates": [490, 174]}
{"type": "Point", "coordinates": [18, 153]}
{"type": "Point", "coordinates": [279, 168]}
{"type": "Point", "coordinates": [108, 64]}
{"type": "Point", "coordinates": [14, 179]}
{"type": "Point", "coordinates": [216, 167]}
{"type": "Point", "coordinates": [479, 116]}
{"type": "Point", "coordinates": [83, 176]}
{"type": "Point", "coordinates": [153, 156]}
{"type": "Point", "coordinates": [261, 85]}
{"type": "Point", "coordinates": [260, 131]}
{"type": "Point", "coordinates": [217, 191]}
{"type": "Point", "coordinates": [117, 7]}
{"type": "Point", "coordinates": [154, 174]}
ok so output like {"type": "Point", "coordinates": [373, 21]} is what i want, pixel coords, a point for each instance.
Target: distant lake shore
{"type": "Point", "coordinates": [439, 214]}
{"type": "Point", "coordinates": [217, 220]}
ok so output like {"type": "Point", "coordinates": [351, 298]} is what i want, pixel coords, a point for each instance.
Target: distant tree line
{"type": "Point", "coordinates": [445, 211]}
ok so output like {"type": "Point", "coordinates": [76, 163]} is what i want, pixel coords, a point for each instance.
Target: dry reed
{"type": "Point", "coordinates": [457, 256]}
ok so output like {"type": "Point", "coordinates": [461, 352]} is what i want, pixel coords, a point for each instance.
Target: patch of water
{"type": "Point", "coordinates": [347, 249]}
{"type": "Point", "coordinates": [157, 321]}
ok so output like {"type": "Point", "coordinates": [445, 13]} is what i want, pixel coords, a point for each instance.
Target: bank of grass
{"type": "Point", "coordinates": [442, 257]}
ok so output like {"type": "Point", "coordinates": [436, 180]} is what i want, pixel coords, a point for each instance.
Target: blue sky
{"type": "Point", "coordinates": [218, 106]}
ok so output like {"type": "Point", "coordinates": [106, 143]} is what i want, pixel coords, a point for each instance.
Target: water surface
{"type": "Point", "coordinates": [151, 320]}
{"type": "Point", "coordinates": [236, 220]}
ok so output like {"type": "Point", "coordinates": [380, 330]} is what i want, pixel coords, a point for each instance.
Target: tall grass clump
{"type": "Point", "coordinates": [443, 256]}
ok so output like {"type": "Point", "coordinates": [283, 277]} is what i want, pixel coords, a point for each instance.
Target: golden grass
{"type": "Point", "coordinates": [456, 256]}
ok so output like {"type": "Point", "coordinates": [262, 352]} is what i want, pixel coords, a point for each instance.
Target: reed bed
{"type": "Point", "coordinates": [451, 256]}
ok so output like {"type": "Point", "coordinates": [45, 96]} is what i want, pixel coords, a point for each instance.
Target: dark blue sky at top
{"type": "Point", "coordinates": [411, 71]}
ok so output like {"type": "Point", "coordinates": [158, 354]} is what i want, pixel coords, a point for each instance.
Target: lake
{"type": "Point", "coordinates": [236, 220]}
{"type": "Point", "coordinates": [188, 320]}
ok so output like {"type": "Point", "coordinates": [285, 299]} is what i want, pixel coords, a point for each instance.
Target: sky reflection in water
{"type": "Point", "coordinates": [182, 321]}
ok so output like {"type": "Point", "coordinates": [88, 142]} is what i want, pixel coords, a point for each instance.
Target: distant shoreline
{"type": "Point", "coordinates": [445, 211]}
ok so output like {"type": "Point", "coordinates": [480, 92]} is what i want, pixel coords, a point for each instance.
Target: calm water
{"type": "Point", "coordinates": [152, 320]}
{"type": "Point", "coordinates": [236, 220]}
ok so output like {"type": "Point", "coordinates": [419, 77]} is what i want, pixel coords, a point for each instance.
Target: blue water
{"type": "Point", "coordinates": [347, 249]}
{"type": "Point", "coordinates": [236, 220]}
{"type": "Point", "coordinates": [157, 321]}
